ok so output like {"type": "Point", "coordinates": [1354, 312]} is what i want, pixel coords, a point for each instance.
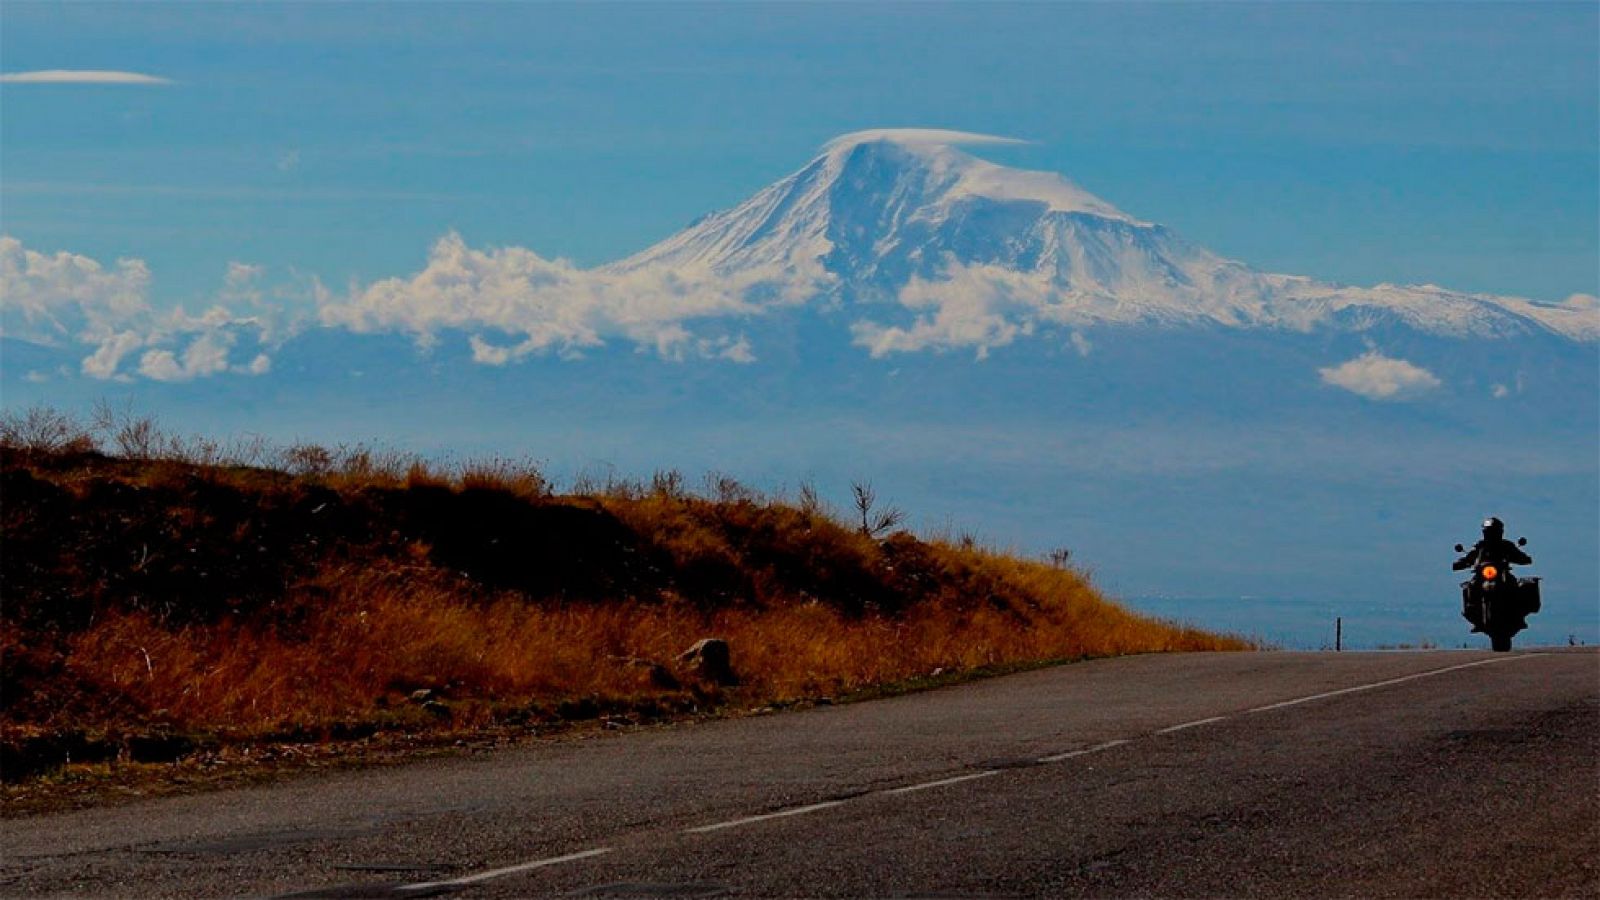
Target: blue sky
{"type": "Point", "coordinates": [1452, 144]}
{"type": "Point", "coordinates": [335, 144]}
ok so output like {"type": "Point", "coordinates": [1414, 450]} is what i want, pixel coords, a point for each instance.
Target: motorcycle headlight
{"type": "Point", "coordinates": [1490, 573]}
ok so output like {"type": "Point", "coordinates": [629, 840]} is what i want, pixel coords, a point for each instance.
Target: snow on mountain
{"type": "Point", "coordinates": [900, 223]}
{"type": "Point", "coordinates": [912, 242]}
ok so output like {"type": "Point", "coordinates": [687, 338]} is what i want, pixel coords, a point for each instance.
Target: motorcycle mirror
{"type": "Point", "coordinates": [1522, 542]}
{"type": "Point", "coordinates": [1460, 548]}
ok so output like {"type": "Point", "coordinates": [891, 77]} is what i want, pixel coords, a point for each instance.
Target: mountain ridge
{"type": "Point", "coordinates": [979, 253]}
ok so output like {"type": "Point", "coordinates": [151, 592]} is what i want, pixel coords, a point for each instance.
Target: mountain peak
{"type": "Point", "coordinates": [868, 192]}
{"type": "Point", "coordinates": [966, 176]}
{"type": "Point", "coordinates": [975, 252]}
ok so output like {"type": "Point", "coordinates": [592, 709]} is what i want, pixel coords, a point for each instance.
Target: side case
{"type": "Point", "coordinates": [1530, 595]}
{"type": "Point", "coordinates": [1471, 607]}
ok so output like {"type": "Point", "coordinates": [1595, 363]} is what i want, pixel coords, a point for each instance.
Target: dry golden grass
{"type": "Point", "coordinates": [380, 638]}
{"type": "Point", "coordinates": [369, 610]}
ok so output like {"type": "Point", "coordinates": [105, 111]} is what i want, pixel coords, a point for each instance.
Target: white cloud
{"type": "Point", "coordinates": [81, 76]}
{"type": "Point", "coordinates": [1379, 377]}
{"type": "Point", "coordinates": [68, 299]}
{"type": "Point", "coordinates": [49, 298]}
{"type": "Point", "coordinates": [737, 350]}
{"type": "Point", "coordinates": [936, 137]}
{"type": "Point", "coordinates": [205, 355]}
{"type": "Point", "coordinates": [241, 281]}
{"type": "Point", "coordinates": [1518, 384]}
{"type": "Point", "coordinates": [1588, 303]}
{"type": "Point", "coordinates": [513, 303]}
{"type": "Point", "coordinates": [103, 362]}
{"type": "Point", "coordinates": [981, 307]}
{"type": "Point", "coordinates": [1081, 343]}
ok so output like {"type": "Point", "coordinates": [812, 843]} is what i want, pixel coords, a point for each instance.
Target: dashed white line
{"type": "Point", "coordinates": [508, 870]}
{"type": "Point", "coordinates": [748, 820]}
{"type": "Point", "coordinates": [1195, 724]}
{"type": "Point", "coordinates": [1085, 751]}
{"type": "Point", "coordinates": [943, 781]}
{"type": "Point", "coordinates": [956, 779]}
{"type": "Point", "coordinates": [1378, 684]}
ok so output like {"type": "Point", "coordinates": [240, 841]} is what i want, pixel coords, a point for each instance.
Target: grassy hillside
{"type": "Point", "coordinates": [161, 593]}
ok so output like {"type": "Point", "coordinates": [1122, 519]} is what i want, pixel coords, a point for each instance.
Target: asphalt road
{"type": "Point", "coordinates": [1254, 774]}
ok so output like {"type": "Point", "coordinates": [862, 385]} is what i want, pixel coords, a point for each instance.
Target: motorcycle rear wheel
{"type": "Point", "coordinates": [1500, 642]}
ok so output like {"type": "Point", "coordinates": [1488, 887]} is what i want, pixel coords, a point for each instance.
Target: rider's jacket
{"type": "Point", "coordinates": [1501, 551]}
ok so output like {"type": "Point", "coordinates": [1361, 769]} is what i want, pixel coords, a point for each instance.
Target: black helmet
{"type": "Point", "coordinates": [1493, 528]}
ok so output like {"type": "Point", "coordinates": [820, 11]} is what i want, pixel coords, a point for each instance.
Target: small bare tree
{"type": "Point", "coordinates": [874, 523]}
{"type": "Point", "coordinates": [1059, 557]}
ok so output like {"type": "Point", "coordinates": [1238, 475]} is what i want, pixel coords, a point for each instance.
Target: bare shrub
{"type": "Point", "coordinates": [810, 501]}
{"type": "Point", "coordinates": [307, 460]}
{"type": "Point", "coordinates": [248, 450]}
{"type": "Point", "coordinates": [362, 466]}
{"type": "Point", "coordinates": [420, 474]}
{"type": "Point", "coordinates": [618, 488]}
{"type": "Point", "coordinates": [873, 521]}
{"type": "Point", "coordinates": [134, 436]}
{"type": "Point", "coordinates": [45, 430]}
{"type": "Point", "coordinates": [727, 489]}
{"type": "Point", "coordinates": [521, 477]}
{"type": "Point", "coordinates": [668, 484]}
{"type": "Point", "coordinates": [594, 481]}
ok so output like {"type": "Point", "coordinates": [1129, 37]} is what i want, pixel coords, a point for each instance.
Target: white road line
{"type": "Point", "coordinates": [1195, 724]}
{"type": "Point", "coordinates": [1378, 684]}
{"type": "Point", "coordinates": [957, 779]}
{"type": "Point", "coordinates": [1084, 752]}
{"type": "Point", "coordinates": [501, 873]}
{"type": "Point", "coordinates": [943, 781]}
{"type": "Point", "coordinates": [734, 823]}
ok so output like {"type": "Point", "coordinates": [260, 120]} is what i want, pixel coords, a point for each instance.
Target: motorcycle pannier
{"type": "Point", "coordinates": [1471, 606]}
{"type": "Point", "coordinates": [1529, 590]}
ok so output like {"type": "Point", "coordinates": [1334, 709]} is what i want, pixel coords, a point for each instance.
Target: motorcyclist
{"type": "Point", "coordinates": [1493, 548]}
{"type": "Point", "coordinates": [1508, 611]}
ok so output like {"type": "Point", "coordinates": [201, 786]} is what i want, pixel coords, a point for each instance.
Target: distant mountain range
{"type": "Point", "coordinates": [980, 253]}
{"type": "Point", "coordinates": [895, 240]}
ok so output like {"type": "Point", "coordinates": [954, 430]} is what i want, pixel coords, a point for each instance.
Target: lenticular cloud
{"type": "Point", "coordinates": [81, 76]}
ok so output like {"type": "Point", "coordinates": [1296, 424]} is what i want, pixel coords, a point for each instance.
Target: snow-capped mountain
{"type": "Point", "coordinates": [979, 252]}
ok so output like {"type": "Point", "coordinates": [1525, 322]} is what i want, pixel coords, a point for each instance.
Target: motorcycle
{"type": "Point", "coordinates": [1496, 602]}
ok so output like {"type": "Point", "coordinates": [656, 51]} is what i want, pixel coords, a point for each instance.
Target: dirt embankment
{"type": "Point", "coordinates": [159, 606]}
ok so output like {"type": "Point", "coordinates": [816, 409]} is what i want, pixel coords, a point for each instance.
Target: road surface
{"type": "Point", "coordinates": [1248, 774]}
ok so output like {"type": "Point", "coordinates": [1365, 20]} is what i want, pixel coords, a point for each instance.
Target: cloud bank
{"type": "Point", "coordinates": [509, 304]}
{"type": "Point", "coordinates": [81, 76]}
{"type": "Point", "coordinates": [1379, 377]}
{"type": "Point", "coordinates": [65, 299]}
{"type": "Point", "coordinates": [513, 303]}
